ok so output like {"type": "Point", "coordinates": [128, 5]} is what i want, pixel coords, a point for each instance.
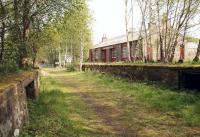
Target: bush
{"type": "Point", "coordinates": [71, 67]}
{"type": "Point", "coordinates": [10, 59]}
{"type": "Point", "coordinates": [8, 68]}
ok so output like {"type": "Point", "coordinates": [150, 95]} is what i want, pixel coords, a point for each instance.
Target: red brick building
{"type": "Point", "coordinates": [115, 49]}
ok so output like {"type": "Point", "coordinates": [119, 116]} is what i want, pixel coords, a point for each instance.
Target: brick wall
{"type": "Point", "coordinates": [169, 75]}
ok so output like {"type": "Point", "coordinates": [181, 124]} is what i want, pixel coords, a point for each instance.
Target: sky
{"type": "Point", "coordinates": [109, 18]}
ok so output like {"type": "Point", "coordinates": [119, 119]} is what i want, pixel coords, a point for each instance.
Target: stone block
{"type": "Point", "coordinates": [13, 104]}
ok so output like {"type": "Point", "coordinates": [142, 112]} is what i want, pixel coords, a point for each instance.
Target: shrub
{"type": "Point", "coordinates": [71, 67]}
{"type": "Point", "coordinates": [8, 68]}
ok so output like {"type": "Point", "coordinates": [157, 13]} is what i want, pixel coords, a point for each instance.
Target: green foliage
{"type": "Point", "coordinates": [9, 63]}
{"type": "Point", "coordinates": [66, 107]}
{"type": "Point", "coordinates": [48, 117]}
{"type": "Point", "coordinates": [71, 67]}
{"type": "Point", "coordinates": [59, 113]}
{"type": "Point", "coordinates": [65, 34]}
{"type": "Point", "coordinates": [182, 104]}
{"type": "Point", "coordinates": [36, 30]}
{"type": "Point", "coordinates": [9, 67]}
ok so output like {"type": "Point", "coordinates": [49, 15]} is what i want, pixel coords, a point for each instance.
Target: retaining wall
{"type": "Point", "coordinates": [171, 75]}
{"type": "Point", "coordinates": [13, 102]}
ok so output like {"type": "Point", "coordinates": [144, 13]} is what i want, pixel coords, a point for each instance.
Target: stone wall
{"type": "Point", "coordinates": [170, 75]}
{"type": "Point", "coordinates": [13, 104]}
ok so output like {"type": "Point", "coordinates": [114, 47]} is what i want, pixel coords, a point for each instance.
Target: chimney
{"type": "Point", "coordinates": [104, 38]}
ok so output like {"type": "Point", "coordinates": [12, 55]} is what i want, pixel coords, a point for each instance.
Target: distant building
{"type": "Point", "coordinates": [115, 49]}
{"type": "Point", "coordinates": [68, 59]}
{"type": "Point", "coordinates": [190, 50]}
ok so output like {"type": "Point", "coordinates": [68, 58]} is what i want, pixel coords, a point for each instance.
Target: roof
{"type": "Point", "coordinates": [118, 40]}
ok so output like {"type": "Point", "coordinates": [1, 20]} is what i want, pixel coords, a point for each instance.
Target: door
{"type": "Point", "coordinates": [104, 55]}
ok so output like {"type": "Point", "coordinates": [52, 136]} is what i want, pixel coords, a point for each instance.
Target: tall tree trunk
{"type": "Point", "coordinates": [81, 53]}
{"type": "Point", "coordinates": [196, 59]}
{"type": "Point", "coordinates": [17, 35]}
{"type": "Point", "coordinates": [160, 37]}
{"type": "Point", "coordinates": [26, 25]}
{"type": "Point", "coordinates": [127, 32]}
{"type": "Point", "coordinates": [2, 42]}
{"type": "Point", "coordinates": [170, 58]}
{"type": "Point", "coordinates": [34, 61]}
{"type": "Point", "coordinates": [59, 57]}
{"type": "Point", "coordinates": [143, 8]}
{"type": "Point", "coordinates": [71, 48]}
{"type": "Point", "coordinates": [150, 48]}
{"type": "Point", "coordinates": [3, 16]}
{"type": "Point", "coordinates": [161, 49]}
{"type": "Point", "coordinates": [26, 19]}
{"type": "Point", "coordinates": [66, 52]}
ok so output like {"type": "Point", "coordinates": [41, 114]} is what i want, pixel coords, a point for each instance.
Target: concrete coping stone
{"type": "Point", "coordinates": [8, 82]}
{"type": "Point", "coordinates": [155, 66]}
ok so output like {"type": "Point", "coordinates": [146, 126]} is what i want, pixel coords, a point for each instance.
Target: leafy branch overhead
{"type": "Point", "coordinates": [24, 24]}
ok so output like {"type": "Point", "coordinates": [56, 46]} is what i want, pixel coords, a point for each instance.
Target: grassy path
{"type": "Point", "coordinates": [94, 105]}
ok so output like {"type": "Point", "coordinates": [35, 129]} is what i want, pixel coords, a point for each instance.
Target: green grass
{"type": "Point", "coordinates": [183, 104]}
{"type": "Point", "coordinates": [151, 110]}
{"type": "Point", "coordinates": [59, 112]}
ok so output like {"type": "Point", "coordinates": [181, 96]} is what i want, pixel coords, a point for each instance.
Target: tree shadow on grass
{"type": "Point", "coordinates": [60, 114]}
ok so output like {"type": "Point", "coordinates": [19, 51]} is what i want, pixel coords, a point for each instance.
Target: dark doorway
{"type": "Point", "coordinates": [191, 80]}
{"type": "Point", "coordinates": [104, 55]}
{"type": "Point", "coordinates": [30, 90]}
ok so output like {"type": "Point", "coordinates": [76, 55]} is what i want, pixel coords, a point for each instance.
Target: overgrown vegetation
{"type": "Point", "coordinates": [71, 67]}
{"type": "Point", "coordinates": [183, 104]}
{"type": "Point", "coordinates": [60, 112]}
{"type": "Point", "coordinates": [164, 27]}
{"type": "Point", "coordinates": [41, 30]}
{"type": "Point", "coordinates": [150, 110]}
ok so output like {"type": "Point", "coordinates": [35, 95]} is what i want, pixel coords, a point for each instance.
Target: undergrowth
{"type": "Point", "coordinates": [184, 104]}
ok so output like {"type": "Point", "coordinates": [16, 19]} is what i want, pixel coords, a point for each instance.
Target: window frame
{"type": "Point", "coordinates": [124, 52]}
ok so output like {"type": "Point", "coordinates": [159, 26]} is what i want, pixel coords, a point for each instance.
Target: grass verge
{"type": "Point", "coordinates": [60, 112]}
{"type": "Point", "coordinates": [182, 104]}
{"type": "Point", "coordinates": [151, 110]}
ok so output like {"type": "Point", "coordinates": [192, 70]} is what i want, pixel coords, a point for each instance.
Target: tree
{"type": "Point", "coordinates": [77, 32]}
{"type": "Point", "coordinates": [143, 29]}
{"type": "Point", "coordinates": [127, 31]}
{"type": "Point", "coordinates": [25, 25]}
{"type": "Point", "coordinates": [173, 19]}
{"type": "Point", "coordinates": [2, 28]}
{"type": "Point", "coordinates": [73, 30]}
{"type": "Point", "coordinates": [196, 59]}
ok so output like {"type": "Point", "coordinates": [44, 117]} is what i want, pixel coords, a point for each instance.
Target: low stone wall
{"type": "Point", "coordinates": [13, 103]}
{"type": "Point", "coordinates": [170, 75]}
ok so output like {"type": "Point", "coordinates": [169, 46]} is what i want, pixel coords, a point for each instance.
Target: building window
{"type": "Point", "coordinates": [113, 53]}
{"type": "Point", "coordinates": [93, 55]}
{"type": "Point", "coordinates": [96, 54]}
{"type": "Point", "coordinates": [124, 52]}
